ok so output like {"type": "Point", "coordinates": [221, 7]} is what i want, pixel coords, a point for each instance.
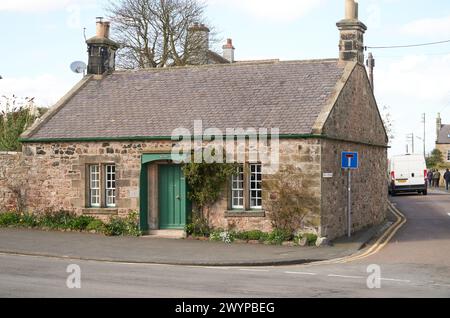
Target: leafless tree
{"type": "Point", "coordinates": [388, 122]}
{"type": "Point", "coordinates": [155, 33]}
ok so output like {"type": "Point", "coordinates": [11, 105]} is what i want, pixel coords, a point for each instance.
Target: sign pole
{"type": "Point", "coordinates": [350, 161]}
{"type": "Point", "coordinates": [349, 201]}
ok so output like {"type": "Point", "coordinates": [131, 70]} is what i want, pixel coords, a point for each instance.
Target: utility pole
{"type": "Point", "coordinates": [424, 117]}
{"type": "Point", "coordinates": [410, 139]}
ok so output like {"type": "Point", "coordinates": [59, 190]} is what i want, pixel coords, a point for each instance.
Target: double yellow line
{"type": "Point", "coordinates": [378, 245]}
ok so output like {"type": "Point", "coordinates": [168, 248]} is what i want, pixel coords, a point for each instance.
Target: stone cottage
{"type": "Point", "coordinates": [443, 138]}
{"type": "Point", "coordinates": [105, 148]}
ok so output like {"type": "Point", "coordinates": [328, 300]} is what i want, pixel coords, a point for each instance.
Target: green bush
{"type": "Point", "coordinates": [80, 223]}
{"type": "Point", "coordinates": [220, 235]}
{"type": "Point", "coordinates": [198, 228]}
{"type": "Point", "coordinates": [29, 220]}
{"type": "Point", "coordinates": [311, 238]}
{"type": "Point", "coordinates": [215, 236]}
{"type": "Point", "coordinates": [95, 225]}
{"type": "Point", "coordinates": [60, 220]}
{"type": "Point", "coordinates": [255, 235]}
{"type": "Point", "coordinates": [277, 236]}
{"type": "Point", "coordinates": [64, 220]}
{"type": "Point", "coordinates": [123, 226]}
{"type": "Point", "coordinates": [9, 219]}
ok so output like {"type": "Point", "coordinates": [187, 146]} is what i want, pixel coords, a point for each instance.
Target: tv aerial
{"type": "Point", "coordinates": [78, 67]}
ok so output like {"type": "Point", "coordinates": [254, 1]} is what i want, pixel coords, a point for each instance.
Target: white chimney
{"type": "Point", "coordinates": [228, 51]}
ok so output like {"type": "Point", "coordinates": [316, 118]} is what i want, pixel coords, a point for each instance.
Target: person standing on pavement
{"type": "Point", "coordinates": [447, 179]}
{"type": "Point", "coordinates": [436, 178]}
{"type": "Point", "coordinates": [430, 178]}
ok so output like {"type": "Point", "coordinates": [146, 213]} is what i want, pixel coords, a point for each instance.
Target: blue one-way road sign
{"type": "Point", "coordinates": [350, 160]}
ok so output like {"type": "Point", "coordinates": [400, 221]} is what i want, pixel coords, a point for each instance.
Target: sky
{"type": "Point", "coordinates": [40, 38]}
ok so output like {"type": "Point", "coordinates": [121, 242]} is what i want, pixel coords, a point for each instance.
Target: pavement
{"type": "Point", "coordinates": [150, 250]}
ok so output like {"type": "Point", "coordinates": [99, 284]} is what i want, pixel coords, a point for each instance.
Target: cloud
{"type": "Point", "coordinates": [410, 86]}
{"type": "Point", "coordinates": [280, 10]}
{"type": "Point", "coordinates": [430, 27]}
{"type": "Point", "coordinates": [418, 77]}
{"type": "Point", "coordinates": [39, 5]}
{"type": "Point", "coordinates": [47, 89]}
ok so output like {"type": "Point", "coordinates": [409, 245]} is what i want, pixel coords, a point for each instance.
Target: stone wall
{"type": "Point", "coordinates": [12, 181]}
{"type": "Point", "coordinates": [299, 171]}
{"type": "Point", "coordinates": [355, 117]}
{"type": "Point", "coordinates": [369, 188]}
{"type": "Point", "coordinates": [57, 174]}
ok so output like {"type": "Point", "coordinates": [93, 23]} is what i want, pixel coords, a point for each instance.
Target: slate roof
{"type": "Point", "coordinates": [444, 134]}
{"type": "Point", "coordinates": [152, 103]}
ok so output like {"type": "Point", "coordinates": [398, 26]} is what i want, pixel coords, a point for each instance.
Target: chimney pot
{"type": "Point", "coordinates": [351, 10]}
{"type": "Point", "coordinates": [438, 126]}
{"type": "Point", "coordinates": [103, 29]}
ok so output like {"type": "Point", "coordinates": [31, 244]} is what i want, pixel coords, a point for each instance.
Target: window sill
{"type": "Point", "coordinates": [245, 214]}
{"type": "Point", "coordinates": [100, 211]}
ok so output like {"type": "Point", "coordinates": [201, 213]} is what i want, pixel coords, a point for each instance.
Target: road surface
{"type": "Point", "coordinates": [416, 263]}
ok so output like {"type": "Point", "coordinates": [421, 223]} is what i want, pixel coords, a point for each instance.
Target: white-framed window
{"type": "Point", "coordinates": [237, 189]}
{"type": "Point", "coordinates": [94, 186]}
{"type": "Point", "coordinates": [448, 155]}
{"type": "Point", "coordinates": [255, 186]}
{"type": "Point", "coordinates": [110, 187]}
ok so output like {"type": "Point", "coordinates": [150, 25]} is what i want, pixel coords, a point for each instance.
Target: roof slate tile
{"type": "Point", "coordinates": [152, 103]}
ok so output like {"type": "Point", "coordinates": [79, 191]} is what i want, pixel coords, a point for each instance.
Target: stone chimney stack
{"type": "Point", "coordinates": [370, 66]}
{"type": "Point", "coordinates": [351, 44]}
{"type": "Point", "coordinates": [228, 51]}
{"type": "Point", "coordinates": [438, 125]}
{"type": "Point", "coordinates": [102, 50]}
{"type": "Point", "coordinates": [199, 44]}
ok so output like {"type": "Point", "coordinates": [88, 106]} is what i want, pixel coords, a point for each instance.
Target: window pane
{"type": "Point", "coordinates": [255, 186]}
{"type": "Point", "coordinates": [94, 191]}
{"type": "Point", "coordinates": [110, 185]}
{"type": "Point", "coordinates": [237, 189]}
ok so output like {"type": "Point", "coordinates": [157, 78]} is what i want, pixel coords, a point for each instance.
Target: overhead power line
{"type": "Point", "coordinates": [406, 46]}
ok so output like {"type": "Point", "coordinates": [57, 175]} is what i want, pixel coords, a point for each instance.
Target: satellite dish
{"type": "Point", "coordinates": [78, 67]}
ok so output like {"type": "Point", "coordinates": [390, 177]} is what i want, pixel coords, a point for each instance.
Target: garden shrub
{"type": "Point", "coordinates": [199, 227]}
{"type": "Point", "coordinates": [56, 220]}
{"type": "Point", "coordinates": [29, 220]}
{"type": "Point", "coordinates": [9, 219]}
{"type": "Point", "coordinates": [80, 223]}
{"type": "Point", "coordinates": [123, 226]}
{"type": "Point", "coordinates": [222, 236]}
{"type": "Point", "coordinates": [278, 236]}
{"type": "Point", "coordinates": [63, 220]}
{"type": "Point", "coordinates": [254, 235]}
{"type": "Point", "coordinates": [95, 225]}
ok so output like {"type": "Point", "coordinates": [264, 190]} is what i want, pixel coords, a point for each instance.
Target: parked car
{"type": "Point", "coordinates": [408, 173]}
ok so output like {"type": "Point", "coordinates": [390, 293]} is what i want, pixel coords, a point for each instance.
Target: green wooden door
{"type": "Point", "coordinates": [172, 197]}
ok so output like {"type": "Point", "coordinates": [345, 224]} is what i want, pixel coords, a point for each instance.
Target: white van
{"type": "Point", "coordinates": [408, 173]}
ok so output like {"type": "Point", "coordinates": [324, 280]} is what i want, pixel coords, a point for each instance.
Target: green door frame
{"type": "Point", "coordinates": [143, 193]}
